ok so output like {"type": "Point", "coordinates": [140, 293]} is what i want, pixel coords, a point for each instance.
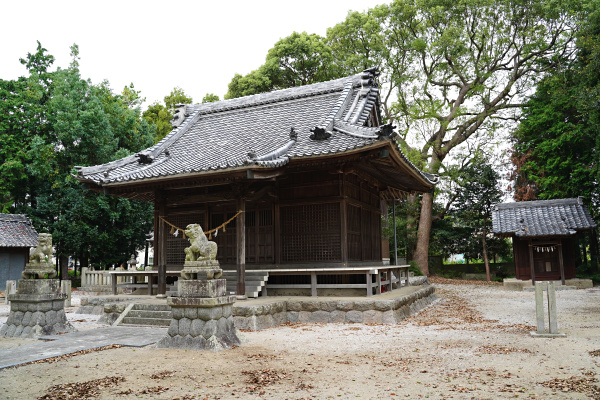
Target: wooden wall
{"type": "Point", "coordinates": [544, 260]}
{"type": "Point", "coordinates": [317, 218]}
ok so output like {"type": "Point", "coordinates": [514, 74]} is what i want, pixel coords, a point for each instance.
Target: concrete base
{"type": "Point", "coordinates": [520, 285]}
{"type": "Point", "coordinates": [547, 335]}
{"type": "Point", "coordinates": [201, 270]}
{"type": "Point", "coordinates": [37, 309]}
{"type": "Point", "coordinates": [199, 322]}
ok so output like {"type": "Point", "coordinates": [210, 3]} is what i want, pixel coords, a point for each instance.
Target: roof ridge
{"type": "Point", "coordinates": [276, 96]}
{"type": "Point", "coordinates": [540, 203]}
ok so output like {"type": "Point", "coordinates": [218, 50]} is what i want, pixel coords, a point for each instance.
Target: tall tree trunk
{"type": "Point", "coordinates": [424, 233]}
{"type": "Point", "coordinates": [485, 254]}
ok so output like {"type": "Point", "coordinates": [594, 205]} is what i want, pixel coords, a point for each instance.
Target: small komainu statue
{"type": "Point", "coordinates": [200, 247]}
{"type": "Point", "coordinates": [40, 263]}
{"type": "Point", "coordinates": [200, 257]}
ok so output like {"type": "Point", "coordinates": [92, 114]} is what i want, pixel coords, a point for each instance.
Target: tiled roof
{"type": "Point", "coordinates": [16, 231]}
{"type": "Point", "coordinates": [561, 217]}
{"type": "Point", "coordinates": [263, 131]}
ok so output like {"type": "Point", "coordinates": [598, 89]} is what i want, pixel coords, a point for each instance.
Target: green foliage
{"type": "Point", "coordinates": [53, 121]}
{"type": "Point", "coordinates": [299, 59]}
{"type": "Point", "coordinates": [210, 98]}
{"type": "Point", "coordinates": [253, 83]}
{"type": "Point", "coordinates": [177, 96]}
{"type": "Point", "coordinates": [159, 116]}
{"type": "Point", "coordinates": [467, 225]}
{"type": "Point", "coordinates": [555, 144]}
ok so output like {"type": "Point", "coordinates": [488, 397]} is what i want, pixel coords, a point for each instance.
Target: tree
{"type": "Point", "coordinates": [61, 120]}
{"type": "Point", "coordinates": [460, 70]}
{"type": "Point", "coordinates": [22, 116]}
{"type": "Point", "coordinates": [299, 59]}
{"type": "Point", "coordinates": [210, 98]}
{"type": "Point", "coordinates": [160, 115]}
{"type": "Point", "coordinates": [555, 145]}
{"type": "Point", "coordinates": [177, 96]}
{"type": "Point", "coordinates": [479, 192]}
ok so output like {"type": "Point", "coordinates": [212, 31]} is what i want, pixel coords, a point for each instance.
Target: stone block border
{"type": "Point", "coordinates": [385, 311]}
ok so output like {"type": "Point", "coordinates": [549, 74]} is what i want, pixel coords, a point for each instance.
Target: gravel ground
{"type": "Point", "coordinates": [474, 343]}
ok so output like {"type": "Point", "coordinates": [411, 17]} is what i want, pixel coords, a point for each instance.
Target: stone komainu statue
{"type": "Point", "coordinates": [40, 258]}
{"type": "Point", "coordinates": [200, 247]}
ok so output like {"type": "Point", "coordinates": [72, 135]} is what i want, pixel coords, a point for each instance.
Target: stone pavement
{"type": "Point", "coordinates": [59, 345]}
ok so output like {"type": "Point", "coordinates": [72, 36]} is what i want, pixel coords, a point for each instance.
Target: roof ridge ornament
{"type": "Point", "coordinates": [145, 157]}
{"type": "Point", "coordinates": [386, 132]}
{"type": "Point", "coordinates": [179, 115]}
{"type": "Point", "coordinates": [293, 134]}
{"type": "Point", "coordinates": [319, 133]}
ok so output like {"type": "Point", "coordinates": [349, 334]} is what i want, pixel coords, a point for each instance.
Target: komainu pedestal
{"type": "Point", "coordinates": [37, 309]}
{"type": "Point", "coordinates": [202, 317]}
{"type": "Point", "coordinates": [202, 310]}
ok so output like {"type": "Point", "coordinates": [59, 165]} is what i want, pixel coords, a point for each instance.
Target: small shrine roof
{"type": "Point", "coordinates": [16, 231]}
{"type": "Point", "coordinates": [561, 217]}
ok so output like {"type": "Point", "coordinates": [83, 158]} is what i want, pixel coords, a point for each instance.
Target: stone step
{"type": "Point", "coordinates": [146, 321]}
{"type": "Point", "coordinates": [151, 307]}
{"type": "Point", "coordinates": [149, 314]}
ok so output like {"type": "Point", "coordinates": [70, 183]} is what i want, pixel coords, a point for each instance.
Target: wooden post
{"type": "Point", "coordinates": [313, 284]}
{"type": "Point", "coordinates": [531, 263]}
{"type": "Point", "coordinates": [561, 263]}
{"type": "Point", "coordinates": [344, 232]}
{"type": "Point", "coordinates": [240, 231]}
{"type": "Point", "coordinates": [160, 242]}
{"type": "Point", "coordinates": [277, 238]}
{"type": "Point", "coordinates": [395, 239]}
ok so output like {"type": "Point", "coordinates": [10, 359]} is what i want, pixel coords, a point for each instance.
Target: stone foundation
{"type": "Point", "coordinates": [37, 309]}
{"type": "Point", "coordinates": [380, 311]}
{"type": "Point", "coordinates": [202, 317]}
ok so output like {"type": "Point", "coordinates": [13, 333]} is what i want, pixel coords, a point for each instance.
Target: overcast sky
{"type": "Point", "coordinates": [195, 45]}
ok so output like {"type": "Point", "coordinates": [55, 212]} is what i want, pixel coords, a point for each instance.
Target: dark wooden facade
{"type": "Point", "coordinates": [309, 167]}
{"type": "Point", "coordinates": [325, 218]}
{"type": "Point", "coordinates": [546, 256]}
{"type": "Point", "coordinates": [544, 235]}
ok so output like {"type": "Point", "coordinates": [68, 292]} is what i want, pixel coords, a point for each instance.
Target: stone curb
{"type": "Point", "coordinates": [388, 311]}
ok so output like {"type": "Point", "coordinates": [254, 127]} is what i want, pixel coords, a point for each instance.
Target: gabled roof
{"type": "Point", "coordinates": [563, 217]}
{"type": "Point", "coordinates": [262, 131]}
{"type": "Point", "coordinates": [16, 231]}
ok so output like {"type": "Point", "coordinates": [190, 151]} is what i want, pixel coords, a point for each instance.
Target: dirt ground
{"type": "Point", "coordinates": [474, 343]}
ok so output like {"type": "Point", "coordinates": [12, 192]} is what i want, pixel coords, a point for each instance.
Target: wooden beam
{"type": "Point", "coordinates": [240, 227]}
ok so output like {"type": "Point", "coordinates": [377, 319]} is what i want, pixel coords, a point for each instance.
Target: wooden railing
{"type": "Point", "coordinates": [96, 279]}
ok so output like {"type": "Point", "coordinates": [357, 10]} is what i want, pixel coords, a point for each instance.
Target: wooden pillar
{"type": "Point", "coordinates": [240, 231]}
{"type": "Point", "coordinates": [395, 238]}
{"type": "Point", "coordinates": [160, 242]}
{"type": "Point", "coordinates": [385, 241]}
{"type": "Point", "coordinates": [277, 235]}
{"type": "Point", "coordinates": [561, 263]}
{"type": "Point", "coordinates": [344, 232]}
{"type": "Point", "coordinates": [531, 262]}
{"type": "Point", "coordinates": [343, 221]}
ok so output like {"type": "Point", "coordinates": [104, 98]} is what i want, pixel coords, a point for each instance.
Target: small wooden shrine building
{"type": "Point", "coordinates": [543, 234]}
{"type": "Point", "coordinates": [17, 235]}
{"type": "Point", "coordinates": [309, 167]}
